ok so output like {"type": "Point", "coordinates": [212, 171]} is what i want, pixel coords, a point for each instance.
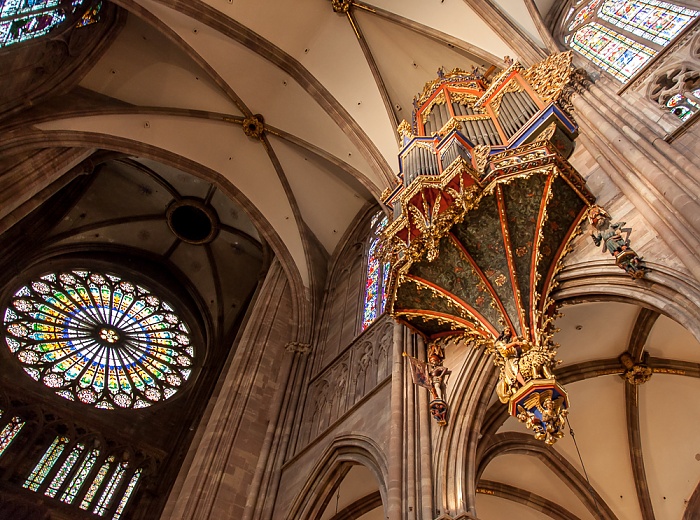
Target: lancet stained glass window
{"type": "Point", "coordinates": [79, 477]}
{"type": "Point", "coordinates": [66, 468]}
{"type": "Point", "coordinates": [96, 483]}
{"type": "Point", "coordinates": [110, 488]}
{"type": "Point", "coordinates": [44, 466]}
{"type": "Point", "coordinates": [99, 339]}
{"type": "Point", "coordinates": [22, 20]}
{"type": "Point", "coordinates": [377, 274]}
{"type": "Point", "coordinates": [9, 432]}
{"type": "Point", "coordinates": [127, 494]}
{"type": "Point", "coordinates": [621, 36]}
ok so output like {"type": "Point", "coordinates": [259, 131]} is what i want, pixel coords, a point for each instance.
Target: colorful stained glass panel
{"type": "Point", "coordinates": [98, 339]}
{"type": "Point", "coordinates": [127, 494]}
{"type": "Point", "coordinates": [44, 466]}
{"type": "Point", "coordinates": [615, 53]}
{"type": "Point", "coordinates": [66, 468]}
{"type": "Point", "coordinates": [9, 432]}
{"type": "Point", "coordinates": [96, 483]}
{"type": "Point", "coordinates": [22, 20]}
{"type": "Point", "coordinates": [652, 20]}
{"type": "Point", "coordinates": [79, 477]}
{"type": "Point", "coordinates": [108, 493]}
{"type": "Point", "coordinates": [376, 275]}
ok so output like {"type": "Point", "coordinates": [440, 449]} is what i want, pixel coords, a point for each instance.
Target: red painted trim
{"type": "Point", "coordinates": [464, 304]}
{"type": "Point", "coordinates": [557, 256]}
{"type": "Point", "coordinates": [509, 254]}
{"type": "Point", "coordinates": [533, 255]}
{"type": "Point", "coordinates": [483, 277]}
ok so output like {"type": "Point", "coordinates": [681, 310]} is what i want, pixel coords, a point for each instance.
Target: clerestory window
{"type": "Point", "coordinates": [622, 36]}
{"type": "Point", "coordinates": [377, 273]}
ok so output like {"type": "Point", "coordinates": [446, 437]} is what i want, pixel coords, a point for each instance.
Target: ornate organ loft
{"type": "Point", "coordinates": [482, 219]}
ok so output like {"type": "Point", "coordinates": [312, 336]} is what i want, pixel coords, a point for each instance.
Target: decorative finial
{"type": "Point", "coordinates": [404, 129]}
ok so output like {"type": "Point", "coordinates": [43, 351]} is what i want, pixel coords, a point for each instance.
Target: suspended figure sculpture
{"type": "Point", "coordinates": [483, 215]}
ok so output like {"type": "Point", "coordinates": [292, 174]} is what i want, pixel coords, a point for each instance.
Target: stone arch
{"type": "Point", "coordinates": [330, 470]}
{"type": "Point", "coordinates": [23, 141]}
{"type": "Point", "coordinates": [460, 448]}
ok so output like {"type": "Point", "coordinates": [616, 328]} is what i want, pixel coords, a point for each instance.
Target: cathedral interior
{"type": "Point", "coordinates": [348, 260]}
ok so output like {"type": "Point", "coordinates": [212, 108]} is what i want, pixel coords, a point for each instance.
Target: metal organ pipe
{"type": "Point", "coordinates": [484, 134]}
{"type": "Point", "coordinates": [528, 102]}
{"type": "Point", "coordinates": [522, 106]}
{"type": "Point", "coordinates": [444, 113]}
{"type": "Point", "coordinates": [507, 111]}
{"type": "Point", "coordinates": [493, 133]}
{"type": "Point", "coordinates": [522, 111]}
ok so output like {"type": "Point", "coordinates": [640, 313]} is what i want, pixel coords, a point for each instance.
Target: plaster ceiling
{"type": "Point", "coordinates": [181, 76]}
{"type": "Point", "coordinates": [594, 335]}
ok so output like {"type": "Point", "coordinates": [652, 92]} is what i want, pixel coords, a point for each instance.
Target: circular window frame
{"type": "Point", "coordinates": [157, 285]}
{"type": "Point", "coordinates": [199, 204]}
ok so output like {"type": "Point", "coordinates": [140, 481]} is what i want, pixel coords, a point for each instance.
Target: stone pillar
{"type": "Point", "coordinates": [220, 469]}
{"type": "Point", "coordinates": [425, 450]}
{"type": "Point", "coordinates": [395, 485]}
{"type": "Point", "coordinates": [673, 213]}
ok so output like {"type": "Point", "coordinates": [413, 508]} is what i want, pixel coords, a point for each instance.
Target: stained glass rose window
{"type": "Point", "coordinates": [99, 339]}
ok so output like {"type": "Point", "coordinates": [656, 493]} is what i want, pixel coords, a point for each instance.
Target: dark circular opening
{"type": "Point", "coordinates": [191, 223]}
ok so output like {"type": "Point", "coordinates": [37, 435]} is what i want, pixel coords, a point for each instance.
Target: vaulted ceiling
{"type": "Point", "coordinates": [181, 76]}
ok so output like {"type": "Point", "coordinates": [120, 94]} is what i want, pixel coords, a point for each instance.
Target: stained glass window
{"type": "Point", "coordinates": [96, 483]}
{"type": "Point", "coordinates": [79, 478]}
{"type": "Point", "coordinates": [91, 16]}
{"type": "Point", "coordinates": [42, 469]}
{"type": "Point", "coordinates": [22, 20]}
{"type": "Point", "coordinates": [66, 468]}
{"type": "Point", "coordinates": [653, 20]}
{"type": "Point", "coordinates": [99, 339]}
{"type": "Point", "coordinates": [9, 432]}
{"type": "Point", "coordinates": [621, 36]}
{"type": "Point", "coordinates": [376, 275]}
{"type": "Point", "coordinates": [684, 106]}
{"type": "Point", "coordinates": [110, 488]}
{"type": "Point", "coordinates": [127, 494]}
{"type": "Point", "coordinates": [620, 56]}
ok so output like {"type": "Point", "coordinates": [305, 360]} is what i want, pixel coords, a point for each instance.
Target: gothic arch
{"type": "Point", "coordinates": [466, 445]}
{"type": "Point", "coordinates": [32, 140]}
{"type": "Point", "coordinates": [331, 469]}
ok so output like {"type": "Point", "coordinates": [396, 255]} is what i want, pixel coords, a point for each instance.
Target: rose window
{"type": "Point", "coordinates": [99, 339]}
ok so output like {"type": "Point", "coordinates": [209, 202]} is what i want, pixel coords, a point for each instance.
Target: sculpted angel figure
{"type": "Point", "coordinates": [607, 233]}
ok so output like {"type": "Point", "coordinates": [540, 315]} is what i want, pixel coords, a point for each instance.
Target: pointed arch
{"type": "Point", "coordinates": [330, 470]}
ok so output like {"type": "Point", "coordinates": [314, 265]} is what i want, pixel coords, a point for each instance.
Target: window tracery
{"type": "Point", "coordinates": [377, 273]}
{"type": "Point", "coordinates": [99, 339]}
{"type": "Point", "coordinates": [622, 36]}
{"type": "Point", "coordinates": [69, 466]}
{"type": "Point", "coordinates": [9, 432]}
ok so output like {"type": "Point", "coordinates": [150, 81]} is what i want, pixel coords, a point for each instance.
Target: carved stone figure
{"type": "Point", "coordinates": [607, 233]}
